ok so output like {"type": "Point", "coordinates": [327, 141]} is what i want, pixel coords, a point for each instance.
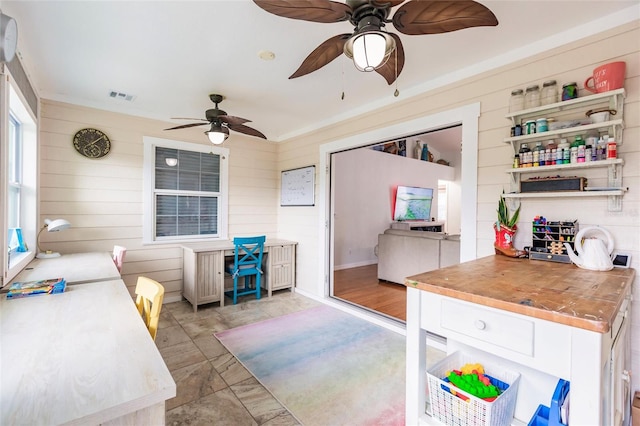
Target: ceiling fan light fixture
{"type": "Point", "coordinates": [369, 50]}
{"type": "Point", "coordinates": [217, 134]}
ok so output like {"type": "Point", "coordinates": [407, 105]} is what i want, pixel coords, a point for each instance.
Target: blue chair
{"type": "Point", "coordinates": [247, 262]}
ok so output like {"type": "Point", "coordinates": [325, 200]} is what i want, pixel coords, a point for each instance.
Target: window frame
{"type": "Point", "coordinates": [14, 175]}
{"type": "Point", "coordinates": [149, 191]}
{"type": "Point", "coordinates": [14, 106]}
{"type": "Point", "coordinates": [14, 178]}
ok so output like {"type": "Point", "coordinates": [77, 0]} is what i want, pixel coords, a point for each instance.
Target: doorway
{"type": "Point", "coordinates": [466, 116]}
{"type": "Point", "coordinates": [363, 181]}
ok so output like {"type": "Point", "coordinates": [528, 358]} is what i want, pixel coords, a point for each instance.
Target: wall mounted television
{"type": "Point", "coordinates": [413, 203]}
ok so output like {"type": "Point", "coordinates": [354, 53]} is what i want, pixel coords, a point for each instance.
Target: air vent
{"type": "Point", "coordinates": [121, 96]}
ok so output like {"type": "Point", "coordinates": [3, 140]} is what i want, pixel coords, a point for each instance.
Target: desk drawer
{"type": "Point", "coordinates": [496, 328]}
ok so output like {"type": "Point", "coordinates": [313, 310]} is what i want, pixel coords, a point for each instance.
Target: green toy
{"type": "Point", "coordinates": [476, 384]}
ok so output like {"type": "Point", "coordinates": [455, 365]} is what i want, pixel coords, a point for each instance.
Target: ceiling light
{"type": "Point", "coordinates": [369, 46]}
{"type": "Point", "coordinates": [171, 162]}
{"type": "Point", "coordinates": [217, 134]}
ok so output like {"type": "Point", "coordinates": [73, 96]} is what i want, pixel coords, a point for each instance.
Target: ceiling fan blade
{"type": "Point", "coordinates": [189, 118]}
{"type": "Point", "coordinates": [393, 67]}
{"type": "Point", "coordinates": [322, 55]}
{"type": "Point", "coordinates": [184, 126]}
{"type": "Point", "coordinates": [241, 128]}
{"type": "Point", "coordinates": [230, 119]}
{"type": "Point", "coordinates": [435, 17]}
{"type": "Point", "coordinates": [324, 11]}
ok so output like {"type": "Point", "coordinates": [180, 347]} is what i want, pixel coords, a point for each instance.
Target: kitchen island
{"type": "Point", "coordinates": [545, 320]}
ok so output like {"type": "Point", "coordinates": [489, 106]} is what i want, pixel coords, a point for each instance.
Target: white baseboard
{"type": "Point", "coordinates": [172, 298]}
{"type": "Point", "coordinates": [355, 265]}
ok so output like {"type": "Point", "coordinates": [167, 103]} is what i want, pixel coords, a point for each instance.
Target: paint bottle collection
{"type": "Point", "coordinates": [578, 151]}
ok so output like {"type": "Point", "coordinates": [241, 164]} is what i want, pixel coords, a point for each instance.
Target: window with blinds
{"type": "Point", "coordinates": [186, 193]}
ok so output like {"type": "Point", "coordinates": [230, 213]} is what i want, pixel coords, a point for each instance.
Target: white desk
{"type": "Point", "coordinates": [80, 357]}
{"type": "Point", "coordinates": [203, 274]}
{"type": "Point", "coordinates": [75, 268]}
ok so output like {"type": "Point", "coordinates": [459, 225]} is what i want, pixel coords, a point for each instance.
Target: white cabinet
{"type": "Point", "coordinates": [497, 317]}
{"type": "Point", "coordinates": [562, 110]}
{"type": "Point", "coordinates": [202, 276]}
{"type": "Point", "coordinates": [281, 268]}
{"type": "Point", "coordinates": [542, 351]}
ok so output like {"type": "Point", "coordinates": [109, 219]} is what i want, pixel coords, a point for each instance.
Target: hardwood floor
{"type": "Point", "coordinates": [361, 286]}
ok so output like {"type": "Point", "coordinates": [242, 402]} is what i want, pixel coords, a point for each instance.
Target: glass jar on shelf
{"type": "Point", "coordinates": [516, 101]}
{"type": "Point", "coordinates": [569, 91]}
{"type": "Point", "coordinates": [549, 94]}
{"type": "Point", "coordinates": [532, 97]}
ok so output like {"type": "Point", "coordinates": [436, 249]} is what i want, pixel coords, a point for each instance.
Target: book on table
{"type": "Point", "coordinates": [32, 288]}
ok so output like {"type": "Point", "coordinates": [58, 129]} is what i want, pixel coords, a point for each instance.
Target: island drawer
{"type": "Point", "coordinates": [530, 341]}
{"type": "Point", "coordinates": [496, 328]}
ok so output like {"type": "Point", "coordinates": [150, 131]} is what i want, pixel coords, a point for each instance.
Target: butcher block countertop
{"type": "Point", "coordinates": [558, 292]}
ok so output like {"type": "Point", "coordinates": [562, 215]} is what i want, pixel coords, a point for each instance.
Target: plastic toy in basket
{"type": "Point", "coordinates": [453, 410]}
{"type": "Point", "coordinates": [474, 382]}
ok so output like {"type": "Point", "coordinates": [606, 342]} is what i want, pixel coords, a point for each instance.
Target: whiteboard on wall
{"type": "Point", "coordinates": [297, 187]}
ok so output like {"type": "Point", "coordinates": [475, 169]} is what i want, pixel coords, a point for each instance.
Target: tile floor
{"type": "Point", "coordinates": [212, 386]}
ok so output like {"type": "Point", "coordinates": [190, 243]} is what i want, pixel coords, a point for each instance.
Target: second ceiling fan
{"type": "Point", "coordinates": [220, 123]}
{"type": "Point", "coordinates": [372, 48]}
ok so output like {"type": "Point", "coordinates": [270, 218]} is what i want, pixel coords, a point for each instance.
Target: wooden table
{"type": "Point", "coordinates": [544, 320]}
{"type": "Point", "coordinates": [75, 268]}
{"type": "Point", "coordinates": [80, 357]}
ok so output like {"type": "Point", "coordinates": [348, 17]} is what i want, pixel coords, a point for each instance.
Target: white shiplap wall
{"type": "Point", "coordinates": [103, 198]}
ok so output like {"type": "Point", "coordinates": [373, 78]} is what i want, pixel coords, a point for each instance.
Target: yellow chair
{"type": "Point", "coordinates": [149, 295]}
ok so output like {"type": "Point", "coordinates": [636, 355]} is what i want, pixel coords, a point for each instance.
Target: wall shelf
{"type": "Point", "coordinates": [614, 190]}
{"type": "Point", "coordinates": [613, 99]}
{"type": "Point", "coordinates": [587, 165]}
{"type": "Point", "coordinates": [565, 194]}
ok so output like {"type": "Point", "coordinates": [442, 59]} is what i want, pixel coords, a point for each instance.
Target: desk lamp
{"type": "Point", "coordinates": [51, 226]}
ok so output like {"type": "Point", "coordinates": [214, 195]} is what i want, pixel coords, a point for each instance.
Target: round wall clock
{"type": "Point", "coordinates": [91, 143]}
{"type": "Point", "coordinates": [8, 38]}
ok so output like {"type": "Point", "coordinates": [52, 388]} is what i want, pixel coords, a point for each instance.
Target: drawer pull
{"type": "Point", "coordinates": [480, 325]}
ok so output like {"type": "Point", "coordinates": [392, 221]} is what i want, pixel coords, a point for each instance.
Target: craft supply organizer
{"type": "Point", "coordinates": [548, 239]}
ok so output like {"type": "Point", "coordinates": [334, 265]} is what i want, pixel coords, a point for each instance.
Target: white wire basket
{"type": "Point", "coordinates": [455, 411]}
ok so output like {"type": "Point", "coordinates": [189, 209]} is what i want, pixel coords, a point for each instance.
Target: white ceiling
{"type": "Point", "coordinates": [172, 54]}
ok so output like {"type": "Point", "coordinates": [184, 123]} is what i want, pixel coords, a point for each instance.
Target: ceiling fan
{"type": "Point", "coordinates": [220, 123]}
{"type": "Point", "coordinates": [372, 48]}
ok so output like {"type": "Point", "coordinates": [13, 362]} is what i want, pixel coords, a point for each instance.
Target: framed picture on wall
{"type": "Point", "coordinates": [297, 187]}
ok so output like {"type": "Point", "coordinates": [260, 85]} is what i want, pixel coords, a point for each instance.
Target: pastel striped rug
{"type": "Point", "coordinates": [326, 366]}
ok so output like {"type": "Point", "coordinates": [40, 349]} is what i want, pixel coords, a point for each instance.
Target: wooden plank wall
{"type": "Point", "coordinates": [102, 198]}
